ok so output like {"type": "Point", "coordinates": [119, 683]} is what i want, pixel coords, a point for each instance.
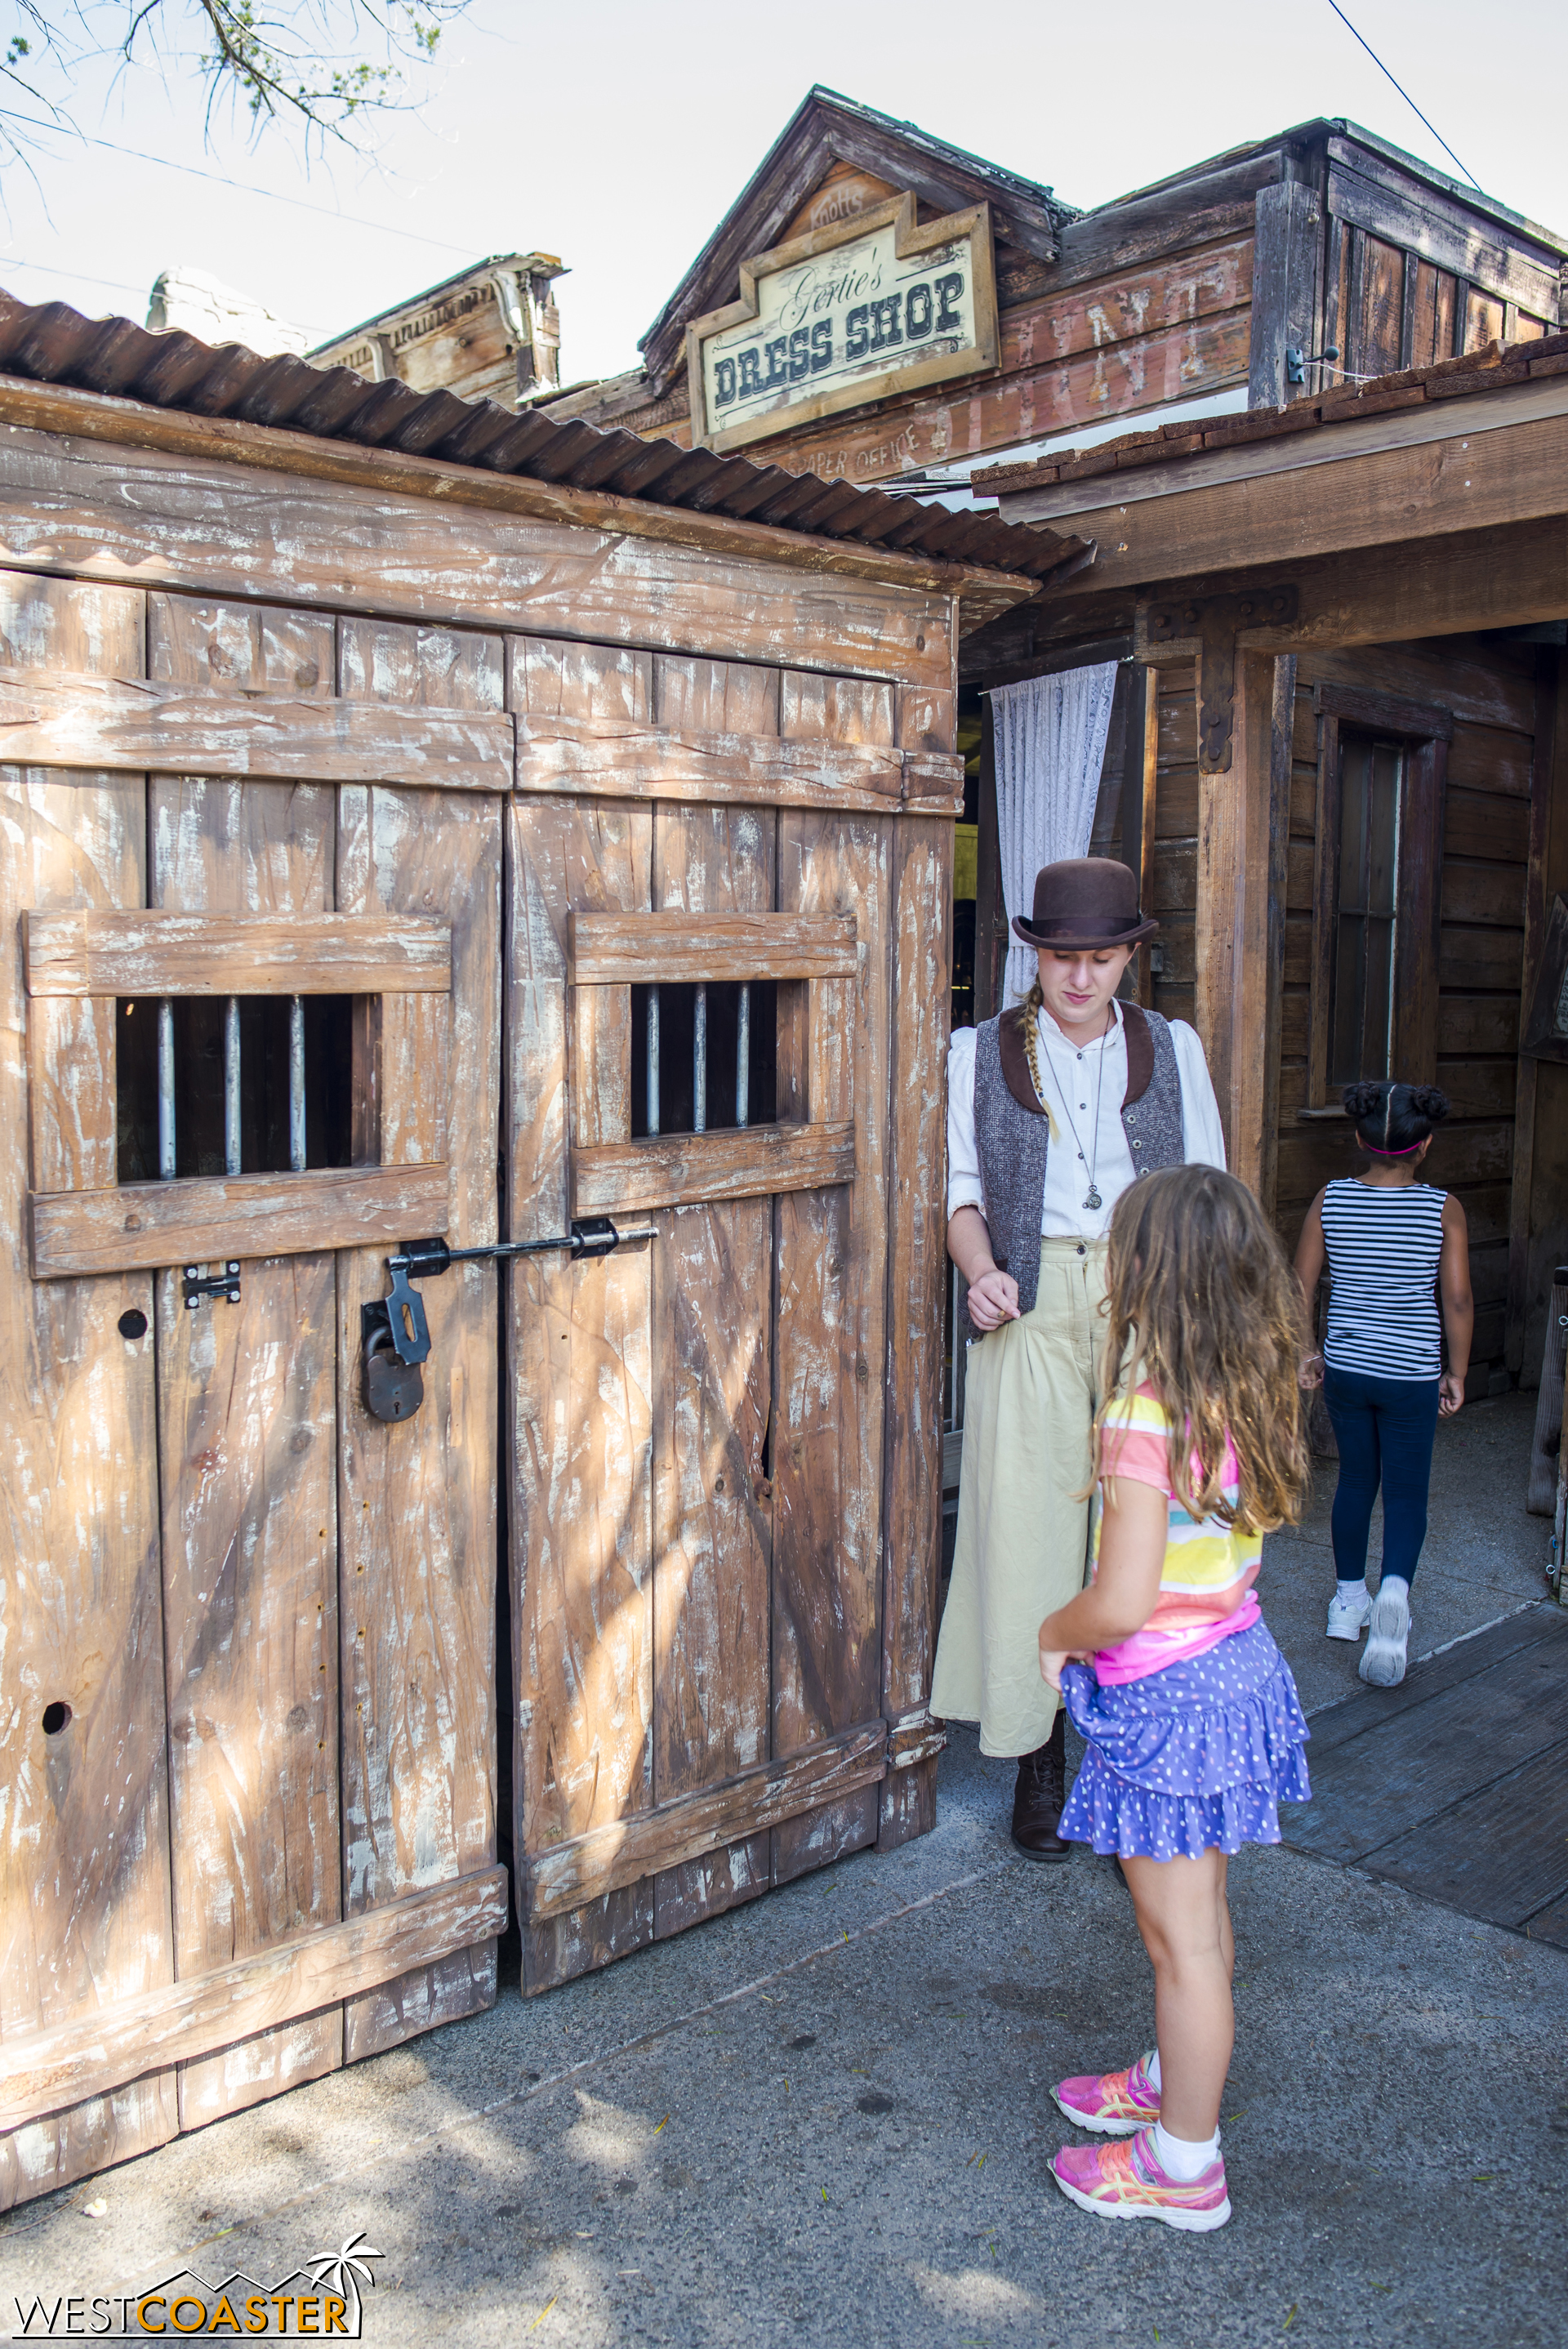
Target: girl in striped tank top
{"type": "Point", "coordinates": [1393, 1244]}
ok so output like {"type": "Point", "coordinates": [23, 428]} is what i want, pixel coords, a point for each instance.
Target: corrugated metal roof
{"type": "Point", "coordinates": [52, 343]}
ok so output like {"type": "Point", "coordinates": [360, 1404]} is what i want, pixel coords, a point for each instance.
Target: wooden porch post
{"type": "Point", "coordinates": [1243, 823]}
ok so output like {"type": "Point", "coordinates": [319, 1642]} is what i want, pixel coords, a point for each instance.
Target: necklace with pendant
{"type": "Point", "coordinates": [1092, 1200]}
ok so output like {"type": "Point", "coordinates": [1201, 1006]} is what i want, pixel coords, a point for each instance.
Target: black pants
{"type": "Point", "coordinates": [1384, 1429]}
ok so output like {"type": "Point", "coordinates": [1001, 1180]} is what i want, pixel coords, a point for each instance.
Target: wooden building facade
{"type": "Point", "coordinates": [1233, 306]}
{"type": "Point", "coordinates": [1217, 280]}
{"type": "Point", "coordinates": [419, 829]}
{"type": "Point", "coordinates": [1347, 781]}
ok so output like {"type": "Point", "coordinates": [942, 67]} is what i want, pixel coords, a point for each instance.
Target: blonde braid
{"type": "Point", "coordinates": [1033, 1004]}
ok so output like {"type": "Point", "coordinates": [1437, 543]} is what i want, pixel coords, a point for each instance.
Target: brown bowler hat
{"type": "Point", "coordinates": [1082, 904]}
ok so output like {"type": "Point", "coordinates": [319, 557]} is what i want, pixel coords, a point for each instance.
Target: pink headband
{"type": "Point", "coordinates": [1372, 1150]}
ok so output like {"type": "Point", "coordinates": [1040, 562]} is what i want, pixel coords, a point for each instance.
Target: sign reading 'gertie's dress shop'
{"type": "Point", "coordinates": [847, 314]}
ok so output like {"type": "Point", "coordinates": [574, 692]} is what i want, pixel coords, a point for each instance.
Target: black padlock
{"type": "Point", "coordinates": [393, 1390]}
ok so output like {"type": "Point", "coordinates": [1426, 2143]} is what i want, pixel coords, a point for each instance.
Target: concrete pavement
{"type": "Point", "coordinates": [824, 2116]}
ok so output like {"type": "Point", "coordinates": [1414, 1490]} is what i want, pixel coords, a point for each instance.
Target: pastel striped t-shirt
{"type": "Point", "coordinates": [1206, 1584]}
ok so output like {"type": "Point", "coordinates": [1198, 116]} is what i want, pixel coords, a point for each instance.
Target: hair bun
{"type": "Point", "coordinates": [1429, 1102]}
{"type": "Point", "coordinates": [1361, 1099]}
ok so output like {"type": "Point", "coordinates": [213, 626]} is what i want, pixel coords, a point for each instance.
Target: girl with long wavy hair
{"type": "Point", "coordinates": [1193, 1729]}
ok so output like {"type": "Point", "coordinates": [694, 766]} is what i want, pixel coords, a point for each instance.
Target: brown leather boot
{"type": "Point", "coordinates": [1040, 1793]}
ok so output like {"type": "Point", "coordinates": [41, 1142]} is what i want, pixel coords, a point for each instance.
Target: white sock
{"type": "Point", "coordinates": [1394, 1586]}
{"type": "Point", "coordinates": [1180, 2159]}
{"type": "Point", "coordinates": [1354, 1594]}
{"type": "Point", "coordinates": [1151, 2065]}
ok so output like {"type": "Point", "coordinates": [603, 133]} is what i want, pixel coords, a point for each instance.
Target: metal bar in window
{"type": "Point", "coordinates": [296, 1083]}
{"type": "Point", "coordinates": [699, 1060]}
{"type": "Point", "coordinates": [653, 1059]}
{"type": "Point", "coordinates": [166, 1136]}
{"type": "Point", "coordinates": [232, 1086]}
{"type": "Point", "coordinates": [743, 1057]}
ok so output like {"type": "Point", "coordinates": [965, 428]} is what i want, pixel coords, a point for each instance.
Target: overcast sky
{"type": "Point", "coordinates": [616, 135]}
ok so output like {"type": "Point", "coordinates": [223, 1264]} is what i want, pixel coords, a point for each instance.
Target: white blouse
{"type": "Point", "coordinates": [1073, 1080]}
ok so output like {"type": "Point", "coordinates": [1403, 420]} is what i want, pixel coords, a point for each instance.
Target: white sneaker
{"type": "Point", "coordinates": [1348, 1617]}
{"type": "Point", "coordinates": [1383, 1657]}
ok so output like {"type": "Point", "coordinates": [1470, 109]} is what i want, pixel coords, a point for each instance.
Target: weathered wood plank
{"type": "Point", "coordinates": [685, 1169]}
{"type": "Point", "coordinates": [618, 757]}
{"type": "Point", "coordinates": [184, 2021]}
{"type": "Point", "coordinates": [417, 1500]}
{"type": "Point", "coordinates": [610, 1857]}
{"type": "Point", "coordinates": [1237, 976]}
{"type": "Point", "coordinates": [1364, 190]}
{"type": "Point", "coordinates": [240, 649]}
{"type": "Point", "coordinates": [831, 1310]}
{"type": "Point", "coordinates": [149, 1224]}
{"type": "Point", "coordinates": [388, 668]}
{"type": "Point", "coordinates": [921, 945]}
{"type": "Point", "coordinates": [84, 1865]}
{"type": "Point", "coordinates": [1486, 687]}
{"type": "Point", "coordinates": [282, 516]}
{"type": "Point", "coordinates": [714, 697]}
{"type": "Point", "coordinates": [933, 780]}
{"type": "Point", "coordinates": [162, 953]}
{"type": "Point", "coordinates": [712, 1267]}
{"type": "Point", "coordinates": [1464, 475]}
{"type": "Point", "coordinates": [927, 720]}
{"type": "Point", "coordinates": [73, 722]}
{"type": "Point", "coordinates": [601, 1067]}
{"type": "Point", "coordinates": [555, 677]}
{"type": "Point", "coordinates": [581, 1432]}
{"type": "Point", "coordinates": [837, 709]}
{"type": "Point", "coordinates": [582, 1459]}
{"type": "Point", "coordinates": [247, 1441]}
{"type": "Point", "coordinates": [1548, 815]}
{"type": "Point", "coordinates": [1201, 354]}
{"type": "Point", "coordinates": [645, 949]}
{"type": "Point", "coordinates": [1484, 823]}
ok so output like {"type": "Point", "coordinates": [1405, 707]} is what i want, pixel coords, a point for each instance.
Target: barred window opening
{"type": "Point", "coordinates": [214, 1085]}
{"type": "Point", "coordinates": [704, 1058]}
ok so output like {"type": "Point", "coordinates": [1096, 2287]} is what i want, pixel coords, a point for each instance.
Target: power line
{"type": "Point", "coordinates": [220, 179]}
{"type": "Point", "coordinates": [1406, 96]}
{"type": "Point", "coordinates": [80, 276]}
{"type": "Point", "coordinates": [50, 268]}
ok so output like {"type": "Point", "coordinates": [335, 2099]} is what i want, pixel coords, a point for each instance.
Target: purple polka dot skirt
{"type": "Point", "coordinates": [1196, 1758]}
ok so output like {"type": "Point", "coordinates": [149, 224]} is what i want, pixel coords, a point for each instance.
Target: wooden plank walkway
{"type": "Point", "coordinates": [1455, 1785]}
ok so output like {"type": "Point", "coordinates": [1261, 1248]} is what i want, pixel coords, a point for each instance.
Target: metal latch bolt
{"type": "Point", "coordinates": [194, 1287]}
{"type": "Point", "coordinates": [591, 1235]}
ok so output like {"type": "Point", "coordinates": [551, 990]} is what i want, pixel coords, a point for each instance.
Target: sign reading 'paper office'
{"type": "Point", "coordinates": [846, 315]}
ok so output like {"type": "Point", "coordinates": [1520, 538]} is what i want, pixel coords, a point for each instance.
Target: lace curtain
{"type": "Point", "coordinates": [1048, 740]}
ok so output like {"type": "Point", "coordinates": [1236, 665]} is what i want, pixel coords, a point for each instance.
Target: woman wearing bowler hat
{"type": "Point", "coordinates": [1054, 1108]}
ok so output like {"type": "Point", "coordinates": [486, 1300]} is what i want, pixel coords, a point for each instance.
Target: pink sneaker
{"type": "Point", "coordinates": [1113, 2103]}
{"type": "Point", "coordinates": [1126, 2181]}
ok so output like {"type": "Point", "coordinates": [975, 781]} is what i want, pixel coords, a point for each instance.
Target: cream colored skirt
{"type": "Point", "coordinates": [1031, 1393]}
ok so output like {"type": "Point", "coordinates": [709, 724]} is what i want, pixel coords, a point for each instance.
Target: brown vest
{"type": "Point", "coordinates": [1012, 1133]}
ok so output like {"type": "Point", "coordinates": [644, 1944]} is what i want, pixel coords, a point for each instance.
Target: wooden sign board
{"type": "Point", "coordinates": [847, 314]}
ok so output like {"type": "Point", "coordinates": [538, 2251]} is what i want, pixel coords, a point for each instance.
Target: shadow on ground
{"type": "Point", "coordinates": [825, 2116]}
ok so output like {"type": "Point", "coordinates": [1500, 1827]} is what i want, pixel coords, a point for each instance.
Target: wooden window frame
{"type": "Point", "coordinates": [1426, 729]}
{"type": "Point", "coordinates": [810, 1144]}
{"type": "Point", "coordinates": [391, 963]}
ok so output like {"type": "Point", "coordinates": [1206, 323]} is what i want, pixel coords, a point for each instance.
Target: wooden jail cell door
{"type": "Point", "coordinates": [696, 1429]}
{"type": "Point", "coordinates": [269, 1618]}
{"type": "Point", "coordinates": [85, 1856]}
